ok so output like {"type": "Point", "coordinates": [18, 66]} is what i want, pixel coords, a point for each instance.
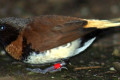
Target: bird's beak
{"type": "Point", "coordinates": [100, 24]}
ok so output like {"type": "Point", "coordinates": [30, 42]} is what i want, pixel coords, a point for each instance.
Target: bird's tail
{"type": "Point", "coordinates": [101, 24]}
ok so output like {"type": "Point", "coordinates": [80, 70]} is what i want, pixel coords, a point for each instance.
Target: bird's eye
{"type": "Point", "coordinates": [2, 27]}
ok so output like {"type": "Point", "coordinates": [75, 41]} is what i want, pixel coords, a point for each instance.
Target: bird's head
{"type": "Point", "coordinates": [10, 29]}
{"type": "Point", "coordinates": [10, 35]}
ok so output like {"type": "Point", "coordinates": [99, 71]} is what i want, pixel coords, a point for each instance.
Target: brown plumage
{"type": "Point", "coordinates": [53, 31]}
{"type": "Point", "coordinates": [47, 32]}
{"type": "Point", "coordinates": [50, 38]}
{"type": "Point", "coordinates": [15, 48]}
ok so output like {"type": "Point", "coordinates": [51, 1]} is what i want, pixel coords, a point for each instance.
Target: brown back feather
{"type": "Point", "coordinates": [47, 32]}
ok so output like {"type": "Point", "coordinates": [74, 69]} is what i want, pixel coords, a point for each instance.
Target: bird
{"type": "Point", "coordinates": [49, 38]}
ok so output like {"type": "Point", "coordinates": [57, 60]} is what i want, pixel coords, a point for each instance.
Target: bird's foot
{"type": "Point", "coordinates": [56, 67]}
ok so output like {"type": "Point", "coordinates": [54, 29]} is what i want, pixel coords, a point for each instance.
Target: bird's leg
{"type": "Point", "coordinates": [56, 67]}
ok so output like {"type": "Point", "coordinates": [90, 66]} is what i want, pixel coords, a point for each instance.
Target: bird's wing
{"type": "Point", "coordinates": [46, 32]}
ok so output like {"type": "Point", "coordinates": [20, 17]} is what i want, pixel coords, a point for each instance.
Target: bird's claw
{"type": "Point", "coordinates": [64, 68]}
{"type": "Point", "coordinates": [55, 68]}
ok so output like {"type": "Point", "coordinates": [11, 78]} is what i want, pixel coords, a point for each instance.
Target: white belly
{"type": "Point", "coordinates": [58, 53]}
